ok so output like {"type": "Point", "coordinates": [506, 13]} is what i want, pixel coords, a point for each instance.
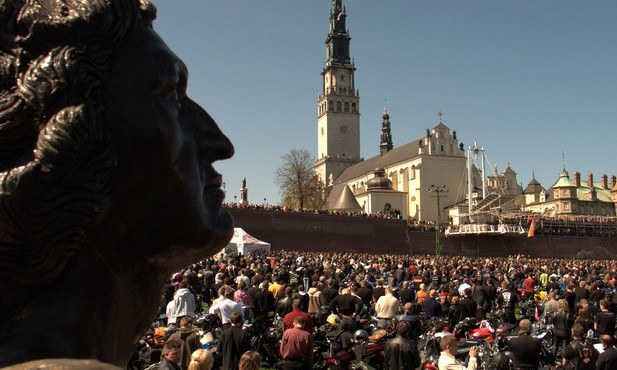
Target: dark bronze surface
{"type": "Point", "coordinates": [106, 177]}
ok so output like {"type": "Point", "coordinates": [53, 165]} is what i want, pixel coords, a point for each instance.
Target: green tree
{"type": "Point", "coordinates": [299, 186]}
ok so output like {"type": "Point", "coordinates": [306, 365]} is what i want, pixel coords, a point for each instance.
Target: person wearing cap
{"type": "Point", "coordinates": [525, 348]}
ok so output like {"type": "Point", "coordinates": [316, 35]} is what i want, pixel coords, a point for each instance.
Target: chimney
{"type": "Point", "coordinates": [613, 181]}
{"type": "Point", "coordinates": [577, 179]}
{"type": "Point", "coordinates": [604, 182]}
{"type": "Point", "coordinates": [591, 180]}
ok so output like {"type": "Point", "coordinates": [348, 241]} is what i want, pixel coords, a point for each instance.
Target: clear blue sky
{"type": "Point", "coordinates": [529, 80]}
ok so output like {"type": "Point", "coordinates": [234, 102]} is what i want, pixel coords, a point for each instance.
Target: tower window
{"type": "Point", "coordinates": [342, 78]}
{"type": "Point", "coordinates": [346, 107]}
{"type": "Point", "coordinates": [330, 105]}
{"type": "Point", "coordinates": [338, 106]}
{"type": "Point", "coordinates": [353, 107]}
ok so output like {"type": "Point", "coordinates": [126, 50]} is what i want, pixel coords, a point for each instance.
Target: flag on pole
{"type": "Point", "coordinates": [532, 228]}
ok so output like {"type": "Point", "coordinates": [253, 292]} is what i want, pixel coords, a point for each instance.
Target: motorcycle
{"type": "Point", "coordinates": [361, 351]}
{"type": "Point", "coordinates": [266, 339]}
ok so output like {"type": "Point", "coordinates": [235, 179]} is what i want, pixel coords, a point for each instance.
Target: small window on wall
{"type": "Point", "coordinates": [346, 107]}
{"type": "Point", "coordinates": [331, 105]}
{"type": "Point", "coordinates": [556, 193]}
{"type": "Point", "coordinates": [338, 106]}
{"type": "Point", "coordinates": [565, 192]}
{"type": "Point", "coordinates": [387, 207]}
{"type": "Point", "coordinates": [353, 107]}
{"type": "Point", "coordinates": [566, 206]}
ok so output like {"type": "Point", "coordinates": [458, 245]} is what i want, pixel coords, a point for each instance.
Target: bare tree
{"type": "Point", "coordinates": [298, 183]}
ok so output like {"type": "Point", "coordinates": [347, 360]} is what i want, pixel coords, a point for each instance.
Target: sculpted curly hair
{"type": "Point", "coordinates": [55, 154]}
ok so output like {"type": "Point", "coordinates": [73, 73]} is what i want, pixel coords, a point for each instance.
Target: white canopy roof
{"type": "Point", "coordinates": [243, 242]}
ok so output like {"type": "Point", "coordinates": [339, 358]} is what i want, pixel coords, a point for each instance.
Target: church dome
{"type": "Point", "coordinates": [379, 181]}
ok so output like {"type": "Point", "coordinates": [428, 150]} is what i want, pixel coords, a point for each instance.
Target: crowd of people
{"type": "Point", "coordinates": [390, 214]}
{"type": "Point", "coordinates": [575, 295]}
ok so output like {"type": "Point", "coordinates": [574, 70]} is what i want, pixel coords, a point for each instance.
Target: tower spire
{"type": "Point", "coordinates": [385, 144]}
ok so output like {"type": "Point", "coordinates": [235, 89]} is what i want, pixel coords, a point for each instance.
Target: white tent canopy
{"type": "Point", "coordinates": [243, 242]}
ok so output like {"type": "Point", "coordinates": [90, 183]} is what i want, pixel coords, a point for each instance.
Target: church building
{"type": "Point", "coordinates": [412, 179]}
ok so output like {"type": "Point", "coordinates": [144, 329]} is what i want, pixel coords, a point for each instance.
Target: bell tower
{"type": "Point", "coordinates": [338, 105]}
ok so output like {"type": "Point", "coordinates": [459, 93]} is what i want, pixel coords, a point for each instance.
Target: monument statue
{"type": "Point", "coordinates": [106, 179]}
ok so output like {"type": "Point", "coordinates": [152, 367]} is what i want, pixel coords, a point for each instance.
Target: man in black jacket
{"type": "Point", "coordinates": [401, 353]}
{"type": "Point", "coordinates": [525, 348]}
{"type": "Point", "coordinates": [233, 343]}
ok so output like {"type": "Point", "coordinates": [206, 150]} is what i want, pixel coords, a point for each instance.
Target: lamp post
{"type": "Point", "coordinates": [438, 190]}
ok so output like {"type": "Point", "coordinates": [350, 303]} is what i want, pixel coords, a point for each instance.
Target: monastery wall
{"type": "Point", "coordinates": [325, 233]}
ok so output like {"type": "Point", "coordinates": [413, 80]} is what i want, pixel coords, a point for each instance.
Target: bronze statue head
{"type": "Point", "coordinates": [106, 177]}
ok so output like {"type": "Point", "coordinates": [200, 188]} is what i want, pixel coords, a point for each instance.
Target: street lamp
{"type": "Point", "coordinates": [438, 190]}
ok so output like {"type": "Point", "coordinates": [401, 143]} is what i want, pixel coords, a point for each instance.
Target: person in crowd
{"type": "Point", "coordinates": [529, 286]}
{"type": "Point", "coordinates": [561, 326]}
{"type": "Point", "coordinates": [285, 304]}
{"type": "Point", "coordinates": [525, 348]}
{"type": "Point", "coordinates": [346, 304]}
{"type": "Point", "coordinates": [330, 291]}
{"type": "Point", "coordinates": [468, 304]}
{"type": "Point", "coordinates": [574, 357]}
{"type": "Point", "coordinates": [464, 285]}
{"type": "Point", "coordinates": [584, 320]}
{"type": "Point", "coordinates": [189, 338]}
{"type": "Point", "coordinates": [431, 306]}
{"type": "Point", "coordinates": [233, 342]}
{"type": "Point", "coordinates": [263, 301]}
{"type": "Point", "coordinates": [604, 321]}
{"type": "Point", "coordinates": [506, 301]}
{"type": "Point", "coordinates": [607, 360]}
{"type": "Point", "coordinates": [250, 360]}
{"type": "Point", "coordinates": [406, 293]}
{"type": "Point", "coordinates": [386, 308]}
{"type": "Point", "coordinates": [379, 290]}
{"type": "Point", "coordinates": [550, 307]}
{"type": "Point", "coordinates": [552, 285]}
{"type": "Point", "coordinates": [422, 293]}
{"type": "Point", "coordinates": [365, 292]}
{"type": "Point", "coordinates": [447, 359]}
{"type": "Point", "coordinates": [184, 302]}
{"type": "Point", "coordinates": [414, 321]}
{"type": "Point", "coordinates": [226, 307]}
{"type": "Point", "coordinates": [590, 309]}
{"type": "Point", "coordinates": [288, 320]}
{"type": "Point", "coordinates": [316, 300]}
{"type": "Point", "coordinates": [456, 313]}
{"type": "Point", "coordinates": [241, 295]}
{"type": "Point", "coordinates": [478, 294]}
{"type": "Point", "coordinates": [303, 297]}
{"type": "Point", "coordinates": [401, 352]}
{"type": "Point", "coordinates": [297, 347]}
{"type": "Point", "coordinates": [201, 359]}
{"type": "Point", "coordinates": [170, 356]}
{"type": "Point", "coordinates": [581, 292]}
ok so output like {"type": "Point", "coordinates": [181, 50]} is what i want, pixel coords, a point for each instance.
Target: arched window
{"type": "Point", "coordinates": [346, 107]}
{"type": "Point", "coordinates": [331, 105]}
{"type": "Point", "coordinates": [353, 107]}
{"type": "Point", "coordinates": [338, 106]}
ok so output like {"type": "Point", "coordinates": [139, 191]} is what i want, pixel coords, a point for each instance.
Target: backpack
{"type": "Point", "coordinates": [586, 359]}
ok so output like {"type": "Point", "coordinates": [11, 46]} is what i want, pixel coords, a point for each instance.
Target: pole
{"type": "Point", "coordinates": [438, 190]}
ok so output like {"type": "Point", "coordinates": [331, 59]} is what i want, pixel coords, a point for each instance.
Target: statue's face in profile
{"type": "Point", "coordinates": [166, 188]}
